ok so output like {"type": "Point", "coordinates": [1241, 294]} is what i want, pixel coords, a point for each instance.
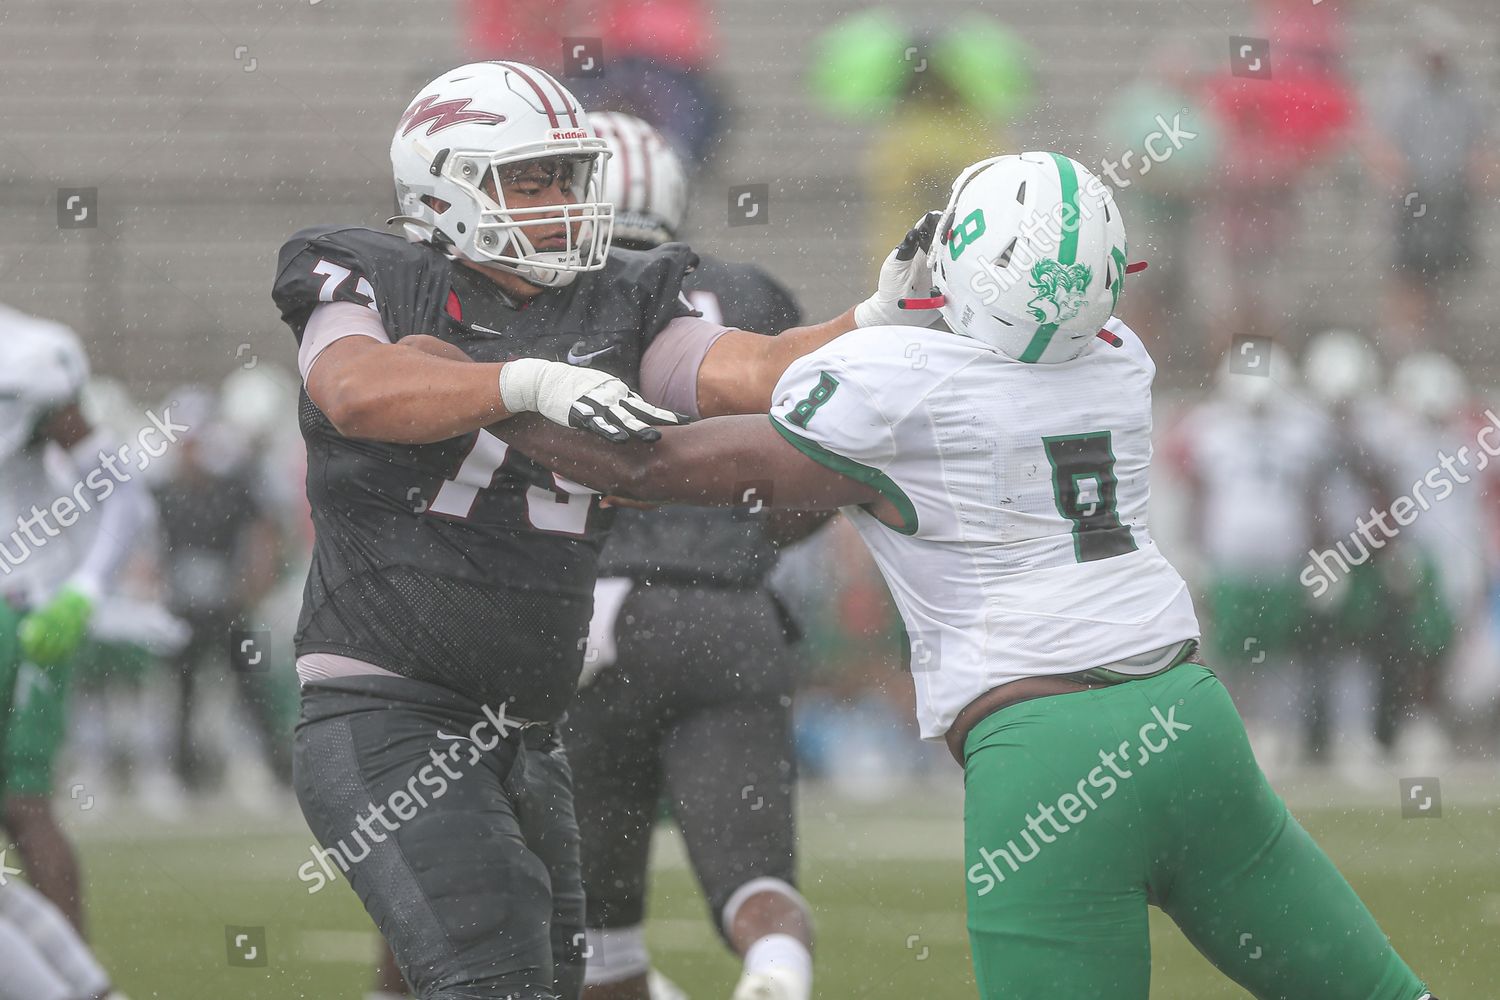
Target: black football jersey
{"type": "Point", "coordinates": [705, 546]}
{"type": "Point", "coordinates": [462, 562]}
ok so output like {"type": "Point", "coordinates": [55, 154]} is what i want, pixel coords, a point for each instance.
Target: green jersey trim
{"type": "Point", "coordinates": [858, 472]}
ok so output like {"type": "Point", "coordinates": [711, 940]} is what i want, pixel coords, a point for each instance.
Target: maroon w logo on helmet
{"type": "Point", "coordinates": [443, 114]}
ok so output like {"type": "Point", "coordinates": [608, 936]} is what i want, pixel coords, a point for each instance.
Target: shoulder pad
{"type": "Point", "coordinates": [669, 259]}
{"type": "Point", "coordinates": [644, 286]}
{"type": "Point", "coordinates": [381, 271]}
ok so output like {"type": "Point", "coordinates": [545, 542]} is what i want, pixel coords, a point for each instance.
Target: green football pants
{"type": "Point", "coordinates": [1080, 809]}
{"type": "Point", "coordinates": [33, 715]}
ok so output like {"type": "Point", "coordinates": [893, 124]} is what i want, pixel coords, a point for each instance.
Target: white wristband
{"type": "Point", "coordinates": [871, 313]}
{"type": "Point", "coordinates": [520, 384]}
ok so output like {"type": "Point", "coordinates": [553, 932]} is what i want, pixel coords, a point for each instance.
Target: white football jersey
{"type": "Point", "coordinates": [1262, 472]}
{"type": "Point", "coordinates": [1023, 491]}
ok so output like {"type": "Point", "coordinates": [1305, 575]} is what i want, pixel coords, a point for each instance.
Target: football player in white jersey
{"type": "Point", "coordinates": [66, 521]}
{"type": "Point", "coordinates": [999, 475]}
{"type": "Point", "coordinates": [1255, 458]}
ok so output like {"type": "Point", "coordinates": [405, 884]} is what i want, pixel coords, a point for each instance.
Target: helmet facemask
{"type": "Point", "coordinates": [482, 228]}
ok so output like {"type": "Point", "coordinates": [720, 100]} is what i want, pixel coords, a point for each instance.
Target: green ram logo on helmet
{"type": "Point", "coordinates": [1061, 290]}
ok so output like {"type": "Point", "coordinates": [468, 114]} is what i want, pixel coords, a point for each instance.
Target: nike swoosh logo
{"type": "Point", "coordinates": [484, 329]}
{"type": "Point", "coordinates": [574, 358]}
{"type": "Point", "coordinates": [444, 736]}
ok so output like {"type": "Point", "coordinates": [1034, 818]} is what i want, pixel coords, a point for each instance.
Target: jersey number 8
{"type": "Point", "coordinates": [1086, 492]}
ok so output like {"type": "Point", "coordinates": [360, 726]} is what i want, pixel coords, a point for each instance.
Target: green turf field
{"type": "Point", "coordinates": [885, 881]}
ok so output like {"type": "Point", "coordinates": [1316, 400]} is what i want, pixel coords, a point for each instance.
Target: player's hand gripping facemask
{"type": "Point", "coordinates": [904, 294]}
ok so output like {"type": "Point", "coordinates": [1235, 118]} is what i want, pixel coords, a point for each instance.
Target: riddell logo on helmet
{"type": "Point", "coordinates": [570, 133]}
{"type": "Point", "coordinates": [444, 114]}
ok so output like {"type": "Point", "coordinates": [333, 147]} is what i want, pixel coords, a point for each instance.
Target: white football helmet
{"type": "Point", "coordinates": [1431, 385]}
{"type": "Point", "coordinates": [42, 366]}
{"type": "Point", "coordinates": [1029, 256]}
{"type": "Point", "coordinates": [254, 402]}
{"type": "Point", "coordinates": [474, 120]}
{"type": "Point", "coordinates": [41, 362]}
{"type": "Point", "coordinates": [1273, 374]}
{"type": "Point", "coordinates": [646, 181]}
{"type": "Point", "coordinates": [1339, 366]}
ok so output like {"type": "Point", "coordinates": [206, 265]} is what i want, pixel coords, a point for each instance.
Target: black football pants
{"type": "Point", "coordinates": [462, 846]}
{"type": "Point", "coordinates": [697, 711]}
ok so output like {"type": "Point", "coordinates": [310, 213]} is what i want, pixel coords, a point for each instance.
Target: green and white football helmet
{"type": "Point", "coordinates": [1029, 256]}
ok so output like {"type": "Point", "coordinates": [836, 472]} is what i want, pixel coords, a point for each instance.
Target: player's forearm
{"type": "Point", "coordinates": [404, 395]}
{"type": "Point", "coordinates": [802, 340]}
{"type": "Point", "coordinates": [741, 370]}
{"type": "Point", "coordinates": [688, 465]}
{"type": "Point", "coordinates": [711, 463]}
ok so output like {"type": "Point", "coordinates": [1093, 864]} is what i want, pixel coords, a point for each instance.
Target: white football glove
{"type": "Point", "coordinates": [581, 397]}
{"type": "Point", "coordinates": [904, 276]}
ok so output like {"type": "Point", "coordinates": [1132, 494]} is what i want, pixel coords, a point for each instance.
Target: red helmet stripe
{"type": "Point", "coordinates": [541, 94]}
{"type": "Point", "coordinates": [646, 144]}
{"type": "Point", "coordinates": [607, 131]}
{"type": "Point", "coordinates": [622, 153]}
{"type": "Point", "coordinates": [568, 106]}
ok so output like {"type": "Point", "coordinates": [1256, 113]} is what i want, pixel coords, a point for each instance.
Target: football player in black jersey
{"type": "Point", "coordinates": [446, 609]}
{"type": "Point", "coordinates": [690, 678]}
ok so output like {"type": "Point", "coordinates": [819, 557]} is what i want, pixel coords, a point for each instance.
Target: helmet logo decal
{"type": "Point", "coordinates": [965, 233]}
{"type": "Point", "coordinates": [443, 114]}
{"type": "Point", "coordinates": [1061, 290]}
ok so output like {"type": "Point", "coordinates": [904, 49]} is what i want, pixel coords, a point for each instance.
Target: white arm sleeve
{"type": "Point", "coordinates": [333, 321]}
{"type": "Point", "coordinates": [669, 368]}
{"type": "Point", "coordinates": [125, 516]}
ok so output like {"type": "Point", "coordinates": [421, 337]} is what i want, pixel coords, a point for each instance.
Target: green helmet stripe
{"type": "Point", "coordinates": [1067, 248]}
{"type": "Point", "coordinates": [1118, 256]}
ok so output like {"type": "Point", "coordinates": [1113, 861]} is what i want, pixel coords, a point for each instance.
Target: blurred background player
{"type": "Point", "coordinates": [935, 97]}
{"type": "Point", "coordinates": [690, 697]}
{"type": "Point", "coordinates": [1278, 128]}
{"type": "Point", "coordinates": [67, 519]}
{"type": "Point", "coordinates": [1429, 147]}
{"type": "Point", "coordinates": [1162, 187]}
{"type": "Point", "coordinates": [222, 556]}
{"type": "Point", "coordinates": [1255, 457]}
{"type": "Point", "coordinates": [117, 745]}
{"type": "Point", "coordinates": [652, 58]}
{"type": "Point", "coordinates": [1366, 620]}
{"type": "Point", "coordinates": [1440, 575]}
